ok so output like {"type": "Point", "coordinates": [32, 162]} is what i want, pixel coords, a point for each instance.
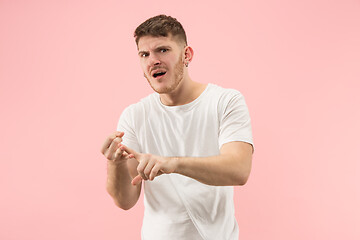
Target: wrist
{"type": "Point", "coordinates": [177, 164]}
{"type": "Point", "coordinates": [119, 163]}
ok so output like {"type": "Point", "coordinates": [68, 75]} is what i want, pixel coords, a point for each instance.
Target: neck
{"type": "Point", "coordinates": [186, 92]}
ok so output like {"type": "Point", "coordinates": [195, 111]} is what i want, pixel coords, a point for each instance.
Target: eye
{"type": "Point", "coordinates": [143, 54]}
{"type": "Point", "coordinates": [163, 50]}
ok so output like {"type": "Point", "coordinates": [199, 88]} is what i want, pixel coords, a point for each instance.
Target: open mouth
{"type": "Point", "coordinates": [158, 74]}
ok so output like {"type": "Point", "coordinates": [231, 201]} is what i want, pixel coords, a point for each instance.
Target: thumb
{"type": "Point", "coordinates": [136, 180]}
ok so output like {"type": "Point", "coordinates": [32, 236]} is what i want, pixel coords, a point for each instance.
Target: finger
{"type": "Point", "coordinates": [109, 140]}
{"type": "Point", "coordinates": [154, 172]}
{"type": "Point", "coordinates": [114, 145]}
{"type": "Point", "coordinates": [119, 134]}
{"type": "Point", "coordinates": [106, 144]}
{"type": "Point", "coordinates": [128, 156]}
{"type": "Point", "coordinates": [110, 153]}
{"type": "Point", "coordinates": [118, 154]}
{"type": "Point", "coordinates": [149, 168]}
{"type": "Point", "coordinates": [140, 168]}
{"type": "Point", "coordinates": [136, 180]}
{"type": "Point", "coordinates": [129, 150]}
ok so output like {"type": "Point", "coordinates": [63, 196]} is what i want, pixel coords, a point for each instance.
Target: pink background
{"type": "Point", "coordinates": [68, 69]}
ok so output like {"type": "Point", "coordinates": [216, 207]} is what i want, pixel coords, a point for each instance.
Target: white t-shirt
{"type": "Point", "coordinates": [176, 206]}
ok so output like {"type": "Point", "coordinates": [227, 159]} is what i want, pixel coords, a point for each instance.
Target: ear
{"type": "Point", "coordinates": [189, 53]}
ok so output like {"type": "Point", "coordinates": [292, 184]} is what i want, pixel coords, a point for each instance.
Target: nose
{"type": "Point", "coordinates": [153, 60]}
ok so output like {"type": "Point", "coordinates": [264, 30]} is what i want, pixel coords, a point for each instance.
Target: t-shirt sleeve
{"type": "Point", "coordinates": [126, 124]}
{"type": "Point", "coordinates": [235, 124]}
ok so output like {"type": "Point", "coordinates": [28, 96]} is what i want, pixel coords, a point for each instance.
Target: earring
{"type": "Point", "coordinates": [186, 64]}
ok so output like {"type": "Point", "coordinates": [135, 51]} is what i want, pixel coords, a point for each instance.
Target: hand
{"type": "Point", "coordinates": [111, 150]}
{"type": "Point", "coordinates": [150, 166]}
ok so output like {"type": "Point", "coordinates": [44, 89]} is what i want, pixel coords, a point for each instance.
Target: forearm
{"type": "Point", "coordinates": [220, 170]}
{"type": "Point", "coordinates": [119, 185]}
{"type": "Point", "coordinates": [231, 167]}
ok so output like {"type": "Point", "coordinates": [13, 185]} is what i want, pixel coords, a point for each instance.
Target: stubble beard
{"type": "Point", "coordinates": [179, 75]}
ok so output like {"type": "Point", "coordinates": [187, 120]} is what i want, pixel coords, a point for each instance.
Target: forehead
{"type": "Point", "coordinates": [148, 43]}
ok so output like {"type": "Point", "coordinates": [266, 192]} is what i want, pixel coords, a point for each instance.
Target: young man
{"type": "Point", "coordinates": [189, 143]}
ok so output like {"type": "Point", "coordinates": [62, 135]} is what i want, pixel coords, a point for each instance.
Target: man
{"type": "Point", "coordinates": [189, 143]}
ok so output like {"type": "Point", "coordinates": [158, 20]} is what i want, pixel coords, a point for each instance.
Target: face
{"type": "Point", "coordinates": [162, 61]}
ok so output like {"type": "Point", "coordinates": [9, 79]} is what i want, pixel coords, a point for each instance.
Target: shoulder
{"type": "Point", "coordinates": [134, 114]}
{"type": "Point", "coordinates": [141, 106]}
{"type": "Point", "coordinates": [223, 92]}
{"type": "Point", "coordinates": [224, 95]}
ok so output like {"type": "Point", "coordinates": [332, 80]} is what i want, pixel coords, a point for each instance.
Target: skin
{"type": "Point", "coordinates": [128, 168]}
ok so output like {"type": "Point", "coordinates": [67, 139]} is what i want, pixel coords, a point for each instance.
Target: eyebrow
{"type": "Point", "coordinates": [156, 49]}
{"type": "Point", "coordinates": [162, 47]}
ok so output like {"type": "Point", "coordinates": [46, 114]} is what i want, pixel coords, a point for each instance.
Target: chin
{"type": "Point", "coordinates": [162, 90]}
{"type": "Point", "coordinates": [166, 86]}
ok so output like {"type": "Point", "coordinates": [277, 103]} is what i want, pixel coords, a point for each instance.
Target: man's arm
{"type": "Point", "coordinates": [231, 167]}
{"type": "Point", "coordinates": [120, 172]}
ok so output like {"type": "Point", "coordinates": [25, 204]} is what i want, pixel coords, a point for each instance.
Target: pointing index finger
{"type": "Point", "coordinates": [128, 150]}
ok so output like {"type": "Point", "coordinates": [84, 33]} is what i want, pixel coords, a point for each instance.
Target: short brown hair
{"type": "Point", "coordinates": [160, 26]}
